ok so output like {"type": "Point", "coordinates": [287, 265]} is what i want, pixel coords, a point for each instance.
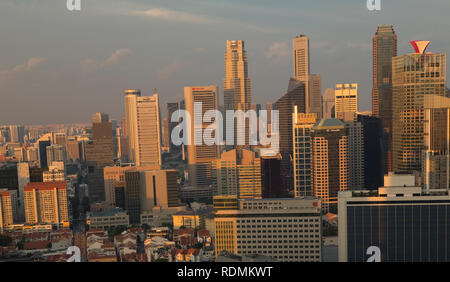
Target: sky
{"type": "Point", "coordinates": [61, 66]}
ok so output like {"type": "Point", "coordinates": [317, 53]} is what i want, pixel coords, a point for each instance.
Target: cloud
{"type": "Point", "coordinates": [172, 15]}
{"type": "Point", "coordinates": [277, 50]}
{"type": "Point", "coordinates": [116, 57]}
{"type": "Point", "coordinates": [30, 65]}
{"type": "Point", "coordinates": [172, 68]}
{"type": "Point", "coordinates": [186, 17]}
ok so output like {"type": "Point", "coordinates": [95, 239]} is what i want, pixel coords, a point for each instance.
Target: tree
{"type": "Point", "coordinates": [5, 240]}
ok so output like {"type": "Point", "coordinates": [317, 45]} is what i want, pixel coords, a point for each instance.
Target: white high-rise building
{"type": "Point", "coordinates": [142, 114]}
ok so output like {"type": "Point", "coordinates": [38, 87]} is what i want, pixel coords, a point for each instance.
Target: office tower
{"type": "Point", "coordinates": [59, 139]}
{"type": "Point", "coordinates": [99, 154]}
{"type": "Point", "coordinates": [300, 50]}
{"type": "Point", "coordinates": [200, 156]}
{"type": "Point", "coordinates": [328, 103]}
{"type": "Point", "coordinates": [345, 99]}
{"type": "Point", "coordinates": [159, 188]}
{"type": "Point", "coordinates": [373, 138]}
{"type": "Point", "coordinates": [238, 173]}
{"type": "Point", "coordinates": [23, 178]}
{"type": "Point", "coordinates": [43, 153]}
{"type": "Point", "coordinates": [315, 94]}
{"type": "Point", "coordinates": [271, 173]}
{"type": "Point", "coordinates": [143, 124]}
{"type": "Point", "coordinates": [236, 86]}
{"type": "Point", "coordinates": [404, 223]}
{"type": "Point", "coordinates": [355, 155]}
{"type": "Point", "coordinates": [329, 161]}
{"type": "Point", "coordinates": [46, 203]}
{"type": "Point", "coordinates": [114, 177]}
{"type": "Point", "coordinates": [414, 76]}
{"type": "Point", "coordinates": [8, 207]}
{"type": "Point", "coordinates": [303, 123]}
{"type": "Point", "coordinates": [100, 118]}
{"type": "Point", "coordinates": [132, 196]}
{"type": "Point", "coordinates": [302, 73]}
{"type": "Point", "coordinates": [289, 230]}
{"type": "Point", "coordinates": [384, 49]}
{"type": "Point", "coordinates": [165, 133]}
{"type": "Point", "coordinates": [73, 150]}
{"type": "Point", "coordinates": [225, 202]}
{"type": "Point", "coordinates": [16, 133]}
{"type": "Point", "coordinates": [55, 153]}
{"type": "Point", "coordinates": [32, 154]}
{"type": "Point", "coordinates": [171, 109]}
{"type": "Point", "coordinates": [436, 160]}
{"type": "Point", "coordinates": [285, 107]}
{"type": "Point", "coordinates": [123, 147]}
{"type": "Point", "coordinates": [236, 83]}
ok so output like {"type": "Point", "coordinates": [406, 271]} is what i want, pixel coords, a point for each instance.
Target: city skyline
{"type": "Point", "coordinates": [69, 87]}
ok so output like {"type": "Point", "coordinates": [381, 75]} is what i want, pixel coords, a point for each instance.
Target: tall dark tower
{"type": "Point", "coordinates": [384, 49]}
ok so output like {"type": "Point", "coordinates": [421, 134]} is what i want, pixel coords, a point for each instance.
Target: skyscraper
{"type": "Point", "coordinates": [345, 99]}
{"type": "Point", "coordinates": [355, 154]}
{"type": "Point", "coordinates": [285, 106]}
{"type": "Point", "coordinates": [302, 73]}
{"type": "Point", "coordinates": [329, 161]}
{"type": "Point", "coordinates": [436, 160]}
{"type": "Point", "coordinates": [300, 50]}
{"type": "Point", "coordinates": [372, 136]}
{"type": "Point", "coordinates": [303, 123]}
{"type": "Point", "coordinates": [328, 103]}
{"type": "Point", "coordinates": [171, 109]}
{"type": "Point", "coordinates": [414, 76]}
{"type": "Point", "coordinates": [384, 49]}
{"type": "Point", "coordinates": [200, 156]}
{"type": "Point", "coordinates": [143, 123]}
{"type": "Point", "coordinates": [236, 85]}
{"type": "Point", "coordinates": [43, 153]}
{"type": "Point", "coordinates": [99, 154]}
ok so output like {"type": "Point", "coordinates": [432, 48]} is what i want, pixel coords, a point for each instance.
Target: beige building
{"type": "Point", "coordinates": [200, 156]}
{"type": "Point", "coordinates": [108, 218]}
{"type": "Point", "coordinates": [46, 203]}
{"type": "Point", "coordinates": [8, 207]}
{"type": "Point", "coordinates": [345, 99]}
{"type": "Point", "coordinates": [143, 125]}
{"type": "Point", "coordinates": [301, 72]}
{"type": "Point", "coordinates": [302, 126]}
{"type": "Point", "coordinates": [330, 161]}
{"type": "Point", "coordinates": [236, 83]}
{"type": "Point", "coordinates": [284, 229]}
{"type": "Point", "coordinates": [237, 172]}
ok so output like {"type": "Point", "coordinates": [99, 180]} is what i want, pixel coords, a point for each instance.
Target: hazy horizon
{"type": "Point", "coordinates": [58, 66]}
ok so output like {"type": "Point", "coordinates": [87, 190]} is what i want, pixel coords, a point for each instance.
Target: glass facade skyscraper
{"type": "Point", "coordinates": [413, 77]}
